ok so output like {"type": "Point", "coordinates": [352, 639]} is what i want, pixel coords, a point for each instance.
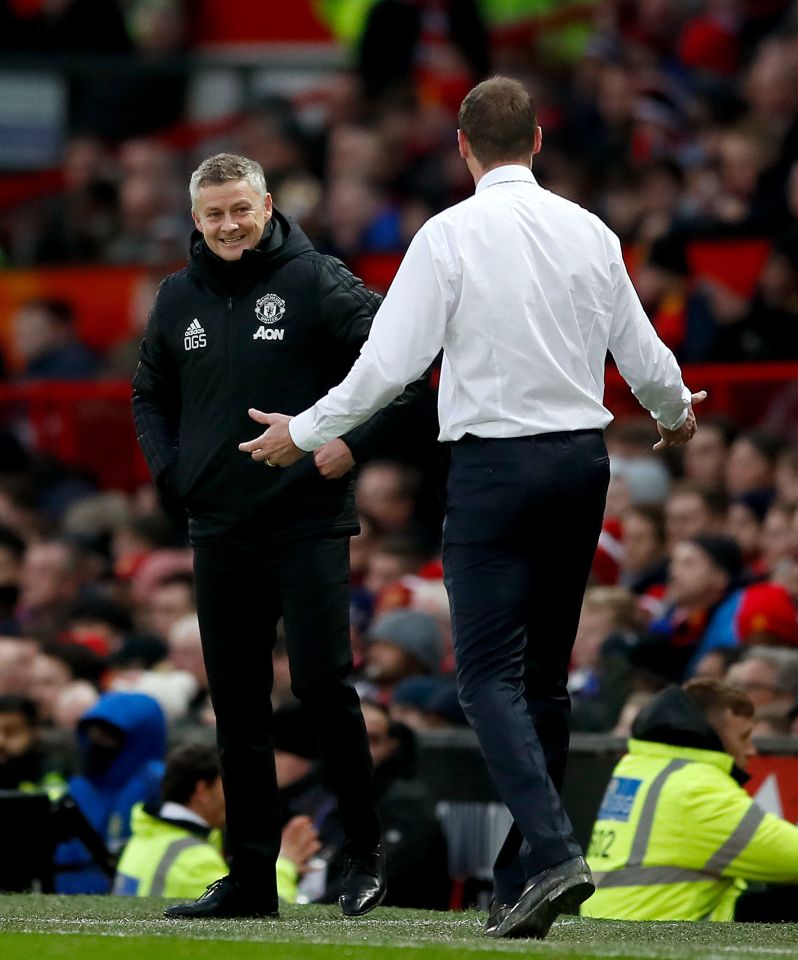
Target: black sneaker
{"type": "Point", "coordinates": [560, 889]}
{"type": "Point", "coordinates": [223, 899]}
{"type": "Point", "coordinates": [363, 883]}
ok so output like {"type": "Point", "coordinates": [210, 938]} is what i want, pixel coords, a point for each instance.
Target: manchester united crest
{"type": "Point", "coordinates": [270, 308]}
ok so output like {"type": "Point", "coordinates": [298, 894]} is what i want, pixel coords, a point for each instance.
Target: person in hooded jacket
{"type": "Point", "coordinates": [122, 743]}
{"type": "Point", "coordinates": [259, 319]}
{"type": "Point", "coordinates": [677, 837]}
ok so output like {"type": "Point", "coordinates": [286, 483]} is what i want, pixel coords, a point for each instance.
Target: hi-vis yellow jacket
{"type": "Point", "coordinates": [676, 838]}
{"type": "Point", "coordinates": [164, 859]}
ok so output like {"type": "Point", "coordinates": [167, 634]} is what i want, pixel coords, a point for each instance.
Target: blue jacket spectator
{"type": "Point", "coordinates": [122, 741]}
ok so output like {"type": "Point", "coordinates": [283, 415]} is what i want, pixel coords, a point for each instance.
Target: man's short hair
{"type": "Point", "coordinates": [186, 766]}
{"type": "Point", "coordinates": [498, 116]}
{"type": "Point", "coordinates": [227, 168]}
{"type": "Point", "coordinates": [714, 696]}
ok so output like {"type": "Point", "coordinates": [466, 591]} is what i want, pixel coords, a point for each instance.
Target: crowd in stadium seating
{"type": "Point", "coordinates": [675, 122]}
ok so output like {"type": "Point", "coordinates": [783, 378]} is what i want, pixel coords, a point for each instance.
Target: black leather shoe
{"type": "Point", "coordinates": [496, 914]}
{"type": "Point", "coordinates": [223, 899]}
{"type": "Point", "coordinates": [560, 889]}
{"type": "Point", "coordinates": [363, 883]}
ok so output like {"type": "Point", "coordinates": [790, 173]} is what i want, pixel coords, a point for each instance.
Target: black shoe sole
{"type": "Point", "coordinates": [533, 918]}
{"type": "Point", "coordinates": [368, 909]}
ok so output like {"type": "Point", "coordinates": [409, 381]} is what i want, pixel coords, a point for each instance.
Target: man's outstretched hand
{"type": "Point", "coordinates": [274, 446]}
{"type": "Point", "coordinates": [684, 433]}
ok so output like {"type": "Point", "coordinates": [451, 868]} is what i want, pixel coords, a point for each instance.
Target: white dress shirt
{"type": "Point", "coordinates": [525, 292]}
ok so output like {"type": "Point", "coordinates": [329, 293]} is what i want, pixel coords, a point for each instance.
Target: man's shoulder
{"type": "Point", "coordinates": [172, 285]}
{"type": "Point", "coordinates": [576, 212]}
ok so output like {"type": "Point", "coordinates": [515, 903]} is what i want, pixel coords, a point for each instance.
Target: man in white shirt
{"type": "Point", "coordinates": [526, 292]}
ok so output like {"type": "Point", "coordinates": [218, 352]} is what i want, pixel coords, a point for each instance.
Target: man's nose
{"type": "Point", "coordinates": [230, 224]}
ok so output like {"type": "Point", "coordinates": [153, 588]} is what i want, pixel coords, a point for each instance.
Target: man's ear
{"type": "Point", "coordinates": [538, 141]}
{"type": "Point", "coordinates": [197, 221]}
{"type": "Point", "coordinates": [268, 207]}
{"type": "Point", "coordinates": [463, 145]}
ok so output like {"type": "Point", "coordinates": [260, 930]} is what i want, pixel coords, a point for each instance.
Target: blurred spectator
{"type": "Point", "coordinates": [777, 539]}
{"type": "Point", "coordinates": [786, 478]}
{"type": "Point", "coordinates": [50, 675]}
{"type": "Point", "coordinates": [390, 559]}
{"type": "Point", "coordinates": [744, 522]}
{"type": "Point", "coordinates": [703, 574]}
{"type": "Point", "coordinates": [97, 623]}
{"type": "Point", "coordinates": [598, 679]}
{"type": "Point", "coordinates": [78, 223]}
{"type": "Point", "coordinates": [49, 585]}
{"type": "Point", "coordinates": [122, 741]}
{"type": "Point", "coordinates": [715, 664]}
{"type": "Point", "coordinates": [386, 495]}
{"type": "Point", "coordinates": [426, 703]}
{"type": "Point", "coordinates": [402, 644]}
{"type": "Point", "coordinates": [17, 657]}
{"type": "Point", "coordinates": [171, 599]}
{"type": "Point", "coordinates": [45, 339]}
{"type": "Point", "coordinates": [173, 690]}
{"type": "Point", "coordinates": [416, 855]}
{"type": "Point", "coordinates": [692, 510]}
{"type": "Point", "coordinates": [636, 481]}
{"type": "Point", "coordinates": [772, 720]}
{"type": "Point", "coordinates": [643, 564]}
{"type": "Point", "coordinates": [72, 702]}
{"type": "Point", "coordinates": [24, 765]}
{"type": "Point", "coordinates": [151, 229]}
{"type": "Point", "coordinates": [752, 462]}
{"type": "Point", "coordinates": [185, 655]}
{"type": "Point", "coordinates": [766, 675]}
{"type": "Point", "coordinates": [705, 456]}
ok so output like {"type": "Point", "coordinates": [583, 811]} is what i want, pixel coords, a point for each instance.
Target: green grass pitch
{"type": "Point", "coordinates": [37, 927]}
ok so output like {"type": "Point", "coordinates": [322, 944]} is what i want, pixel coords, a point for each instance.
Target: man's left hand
{"type": "Point", "coordinates": [274, 446]}
{"type": "Point", "coordinates": [334, 459]}
{"type": "Point", "coordinates": [684, 433]}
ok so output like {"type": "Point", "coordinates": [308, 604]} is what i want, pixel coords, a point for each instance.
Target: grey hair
{"type": "Point", "coordinates": [782, 660]}
{"type": "Point", "coordinates": [224, 168]}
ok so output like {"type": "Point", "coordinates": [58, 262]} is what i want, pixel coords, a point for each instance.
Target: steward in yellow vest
{"type": "Point", "coordinates": [677, 837]}
{"type": "Point", "coordinates": [175, 857]}
{"type": "Point", "coordinates": [175, 847]}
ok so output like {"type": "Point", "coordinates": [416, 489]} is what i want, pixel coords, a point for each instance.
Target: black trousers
{"type": "Point", "coordinates": [241, 594]}
{"type": "Point", "coordinates": [523, 518]}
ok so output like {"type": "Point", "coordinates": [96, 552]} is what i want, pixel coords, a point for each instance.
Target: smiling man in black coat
{"type": "Point", "coordinates": [259, 319]}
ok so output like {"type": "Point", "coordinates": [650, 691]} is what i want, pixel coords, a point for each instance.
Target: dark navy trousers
{"type": "Point", "coordinates": [523, 518]}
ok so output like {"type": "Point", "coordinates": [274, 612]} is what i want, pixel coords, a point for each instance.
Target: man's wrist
{"type": "Point", "coordinates": [302, 432]}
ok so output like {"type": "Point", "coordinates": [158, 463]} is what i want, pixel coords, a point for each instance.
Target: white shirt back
{"type": "Point", "coordinates": [526, 292]}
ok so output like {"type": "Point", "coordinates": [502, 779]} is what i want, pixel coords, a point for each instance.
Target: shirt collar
{"type": "Point", "coordinates": [506, 174]}
{"type": "Point", "coordinates": [176, 811]}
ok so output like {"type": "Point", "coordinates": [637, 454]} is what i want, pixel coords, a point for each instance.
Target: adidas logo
{"type": "Point", "coordinates": [194, 337]}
